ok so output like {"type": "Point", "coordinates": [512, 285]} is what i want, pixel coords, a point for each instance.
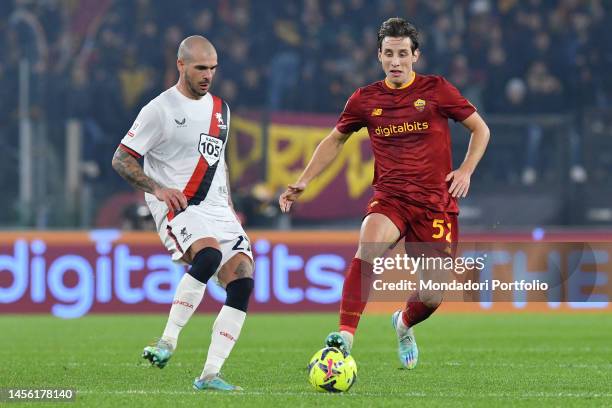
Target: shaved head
{"type": "Point", "coordinates": [196, 63]}
{"type": "Point", "coordinates": [195, 46]}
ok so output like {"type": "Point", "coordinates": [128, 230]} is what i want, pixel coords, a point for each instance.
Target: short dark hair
{"type": "Point", "coordinates": [398, 27]}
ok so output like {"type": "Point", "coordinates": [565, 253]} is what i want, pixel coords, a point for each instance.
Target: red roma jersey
{"type": "Point", "coordinates": [410, 137]}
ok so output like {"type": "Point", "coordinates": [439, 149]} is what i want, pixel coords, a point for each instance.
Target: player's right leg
{"type": "Point", "coordinates": [204, 256]}
{"type": "Point", "coordinates": [377, 234]}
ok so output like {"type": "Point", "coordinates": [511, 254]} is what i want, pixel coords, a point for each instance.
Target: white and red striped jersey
{"type": "Point", "coordinates": [183, 143]}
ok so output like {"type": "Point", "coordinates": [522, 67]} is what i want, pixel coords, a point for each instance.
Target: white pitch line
{"type": "Point", "coordinates": [362, 394]}
{"type": "Point", "coordinates": [438, 349]}
{"type": "Point", "coordinates": [520, 365]}
{"type": "Point", "coordinates": [141, 364]}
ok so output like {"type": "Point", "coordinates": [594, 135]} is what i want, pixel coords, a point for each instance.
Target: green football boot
{"type": "Point", "coordinates": [337, 340]}
{"type": "Point", "coordinates": [158, 354]}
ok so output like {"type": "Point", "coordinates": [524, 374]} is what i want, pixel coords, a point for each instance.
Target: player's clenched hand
{"type": "Point", "coordinates": [174, 199]}
{"type": "Point", "coordinates": [290, 195]}
{"type": "Point", "coordinates": [461, 182]}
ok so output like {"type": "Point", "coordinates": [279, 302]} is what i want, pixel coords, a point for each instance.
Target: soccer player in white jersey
{"type": "Point", "coordinates": [182, 134]}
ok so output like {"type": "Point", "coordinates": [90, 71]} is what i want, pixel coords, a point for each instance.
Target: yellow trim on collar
{"type": "Point", "coordinates": [404, 86]}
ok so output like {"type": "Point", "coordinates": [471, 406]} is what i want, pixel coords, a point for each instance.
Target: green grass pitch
{"type": "Point", "coordinates": [472, 360]}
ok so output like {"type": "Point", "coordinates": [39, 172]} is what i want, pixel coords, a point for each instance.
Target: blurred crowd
{"type": "Point", "coordinates": [101, 60]}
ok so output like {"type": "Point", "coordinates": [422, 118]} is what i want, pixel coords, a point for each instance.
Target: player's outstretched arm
{"type": "Point", "coordinates": [323, 156]}
{"type": "Point", "coordinates": [478, 144]}
{"type": "Point", "coordinates": [129, 168]}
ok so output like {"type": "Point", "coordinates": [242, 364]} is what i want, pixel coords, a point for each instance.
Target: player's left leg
{"type": "Point", "coordinates": [438, 232]}
{"type": "Point", "coordinates": [236, 275]}
{"type": "Point", "coordinates": [420, 305]}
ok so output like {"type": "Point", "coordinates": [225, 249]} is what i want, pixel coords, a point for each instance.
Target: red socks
{"type": "Point", "coordinates": [416, 311]}
{"type": "Point", "coordinates": [355, 292]}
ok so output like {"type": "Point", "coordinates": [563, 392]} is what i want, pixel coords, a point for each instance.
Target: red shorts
{"type": "Point", "coordinates": [416, 223]}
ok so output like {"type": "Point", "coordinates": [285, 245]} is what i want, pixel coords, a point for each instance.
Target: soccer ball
{"type": "Point", "coordinates": [330, 371]}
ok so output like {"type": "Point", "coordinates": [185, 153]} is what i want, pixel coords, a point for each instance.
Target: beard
{"type": "Point", "coordinates": [194, 86]}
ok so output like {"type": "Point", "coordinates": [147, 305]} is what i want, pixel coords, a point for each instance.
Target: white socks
{"type": "Point", "coordinates": [348, 337]}
{"type": "Point", "coordinates": [225, 333]}
{"type": "Point", "coordinates": [401, 327]}
{"type": "Point", "coordinates": [187, 298]}
{"type": "Point", "coordinates": [225, 330]}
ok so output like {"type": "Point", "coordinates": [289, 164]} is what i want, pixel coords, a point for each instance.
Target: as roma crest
{"type": "Point", "coordinates": [419, 105]}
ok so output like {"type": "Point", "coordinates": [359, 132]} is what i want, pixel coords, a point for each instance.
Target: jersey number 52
{"type": "Point", "coordinates": [210, 148]}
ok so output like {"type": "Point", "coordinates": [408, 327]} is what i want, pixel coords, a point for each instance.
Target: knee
{"type": "Point", "coordinates": [431, 299]}
{"type": "Point", "coordinates": [367, 252]}
{"type": "Point", "coordinates": [370, 251]}
{"type": "Point", "coordinates": [238, 293]}
{"type": "Point", "coordinates": [205, 264]}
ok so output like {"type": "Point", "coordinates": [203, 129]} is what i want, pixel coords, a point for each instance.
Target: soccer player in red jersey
{"type": "Point", "coordinates": [415, 187]}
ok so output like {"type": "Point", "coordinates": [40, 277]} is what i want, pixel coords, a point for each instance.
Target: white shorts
{"type": "Point", "coordinates": [195, 223]}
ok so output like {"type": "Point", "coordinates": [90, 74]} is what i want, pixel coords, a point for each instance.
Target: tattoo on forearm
{"type": "Point", "coordinates": [128, 168]}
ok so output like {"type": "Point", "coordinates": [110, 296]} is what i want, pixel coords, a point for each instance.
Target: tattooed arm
{"type": "Point", "coordinates": [129, 168]}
